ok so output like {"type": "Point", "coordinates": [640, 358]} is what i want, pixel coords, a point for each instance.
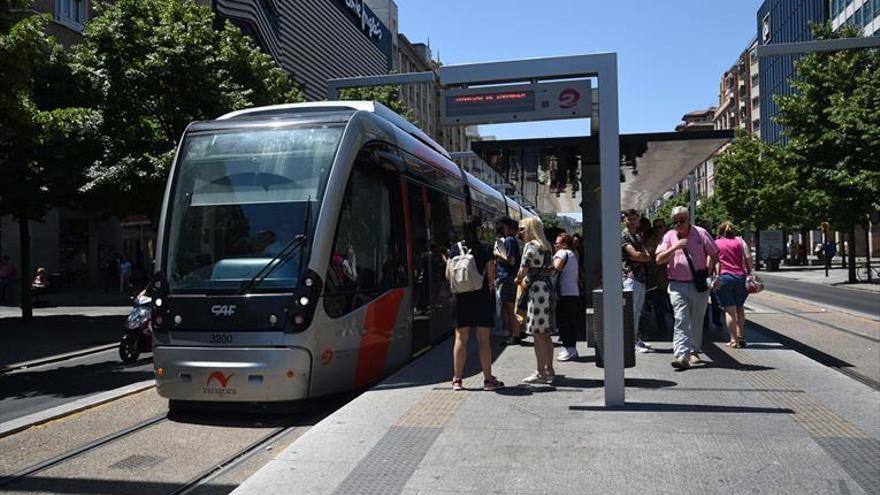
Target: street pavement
{"type": "Point", "coordinates": [763, 419]}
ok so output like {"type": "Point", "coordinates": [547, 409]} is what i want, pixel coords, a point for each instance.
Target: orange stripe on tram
{"type": "Point", "coordinates": [379, 325]}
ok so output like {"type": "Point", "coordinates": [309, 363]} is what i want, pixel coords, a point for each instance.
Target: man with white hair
{"type": "Point", "coordinates": [687, 250]}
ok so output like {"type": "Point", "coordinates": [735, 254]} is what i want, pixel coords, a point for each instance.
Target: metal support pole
{"type": "Point", "coordinates": [612, 283]}
{"type": "Point", "coordinates": [692, 188]}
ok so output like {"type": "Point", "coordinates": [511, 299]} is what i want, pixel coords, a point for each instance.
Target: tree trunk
{"type": "Point", "coordinates": [24, 236]}
{"type": "Point", "coordinates": [851, 252]}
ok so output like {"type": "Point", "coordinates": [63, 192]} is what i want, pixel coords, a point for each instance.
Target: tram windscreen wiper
{"type": "Point", "coordinates": [282, 256]}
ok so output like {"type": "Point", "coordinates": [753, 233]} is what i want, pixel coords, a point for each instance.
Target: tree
{"type": "Point", "coordinates": [832, 120]}
{"type": "Point", "coordinates": [159, 65]}
{"type": "Point", "coordinates": [755, 186]}
{"type": "Point", "coordinates": [386, 95]}
{"type": "Point", "coordinates": [665, 211]}
{"type": "Point", "coordinates": [710, 210]}
{"type": "Point", "coordinates": [46, 141]}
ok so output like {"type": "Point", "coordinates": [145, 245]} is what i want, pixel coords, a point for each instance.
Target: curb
{"type": "Point", "coordinates": [16, 425]}
{"type": "Point", "coordinates": [58, 357]}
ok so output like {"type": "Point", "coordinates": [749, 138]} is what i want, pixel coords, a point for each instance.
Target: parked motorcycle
{"type": "Point", "coordinates": [138, 336]}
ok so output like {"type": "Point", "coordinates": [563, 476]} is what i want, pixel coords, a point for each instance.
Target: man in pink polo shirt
{"type": "Point", "coordinates": [682, 242]}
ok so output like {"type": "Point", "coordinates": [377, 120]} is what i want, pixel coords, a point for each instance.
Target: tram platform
{"type": "Point", "coordinates": [763, 419]}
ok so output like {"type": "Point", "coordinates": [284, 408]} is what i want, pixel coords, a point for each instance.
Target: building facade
{"type": "Point", "coordinates": [782, 21]}
{"type": "Point", "coordinates": [737, 104]}
{"type": "Point", "coordinates": [864, 14]}
{"type": "Point", "coordinates": [316, 40]}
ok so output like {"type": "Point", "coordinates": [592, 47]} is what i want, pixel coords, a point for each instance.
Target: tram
{"type": "Point", "coordinates": [301, 250]}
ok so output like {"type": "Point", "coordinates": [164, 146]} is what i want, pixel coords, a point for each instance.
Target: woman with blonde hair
{"type": "Point", "coordinates": [537, 273]}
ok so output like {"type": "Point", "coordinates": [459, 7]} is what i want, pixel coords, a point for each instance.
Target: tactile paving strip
{"type": "Point", "coordinates": [853, 449]}
{"type": "Point", "coordinates": [392, 461]}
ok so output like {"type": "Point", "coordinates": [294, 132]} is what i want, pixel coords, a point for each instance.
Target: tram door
{"type": "Point", "coordinates": [421, 267]}
{"type": "Point", "coordinates": [446, 216]}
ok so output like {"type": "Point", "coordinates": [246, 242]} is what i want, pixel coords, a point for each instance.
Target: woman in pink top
{"type": "Point", "coordinates": [734, 265]}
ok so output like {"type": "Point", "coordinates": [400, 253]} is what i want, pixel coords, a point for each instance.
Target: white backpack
{"type": "Point", "coordinates": [462, 272]}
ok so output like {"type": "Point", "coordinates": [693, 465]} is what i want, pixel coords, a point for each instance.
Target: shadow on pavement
{"type": "Point", "coordinates": [702, 408]}
{"type": "Point", "coordinates": [86, 486]}
{"type": "Point", "coordinates": [46, 336]}
{"type": "Point", "coordinates": [71, 381]}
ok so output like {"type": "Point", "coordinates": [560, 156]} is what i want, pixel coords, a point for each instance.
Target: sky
{"type": "Point", "coordinates": [671, 53]}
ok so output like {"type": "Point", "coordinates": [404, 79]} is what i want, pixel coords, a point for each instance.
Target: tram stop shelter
{"type": "Point", "coordinates": [562, 174]}
{"type": "Point", "coordinates": [550, 88]}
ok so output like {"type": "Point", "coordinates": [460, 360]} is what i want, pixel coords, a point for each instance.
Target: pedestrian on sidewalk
{"type": "Point", "coordinates": [733, 266]}
{"type": "Point", "coordinates": [7, 275]}
{"type": "Point", "coordinates": [656, 282]}
{"type": "Point", "coordinates": [688, 251]}
{"type": "Point", "coordinates": [635, 259]}
{"type": "Point", "coordinates": [507, 260]}
{"type": "Point", "coordinates": [473, 309]}
{"type": "Point", "coordinates": [565, 261]}
{"type": "Point", "coordinates": [539, 296]}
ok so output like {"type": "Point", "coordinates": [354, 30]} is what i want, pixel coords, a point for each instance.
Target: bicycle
{"type": "Point", "coordinates": [863, 275]}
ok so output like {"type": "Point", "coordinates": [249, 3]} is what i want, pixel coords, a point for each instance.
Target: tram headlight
{"type": "Point", "coordinates": [308, 282]}
{"type": "Point", "coordinates": [273, 320]}
{"type": "Point", "coordinates": [304, 301]}
{"type": "Point", "coordinates": [299, 319]}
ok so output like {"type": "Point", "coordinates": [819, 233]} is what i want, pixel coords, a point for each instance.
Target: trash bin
{"type": "Point", "coordinates": [629, 338]}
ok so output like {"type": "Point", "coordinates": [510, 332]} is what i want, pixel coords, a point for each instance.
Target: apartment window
{"type": "Point", "coordinates": [71, 13]}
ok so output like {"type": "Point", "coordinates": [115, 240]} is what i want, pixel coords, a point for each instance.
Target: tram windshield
{"type": "Point", "coordinates": [239, 197]}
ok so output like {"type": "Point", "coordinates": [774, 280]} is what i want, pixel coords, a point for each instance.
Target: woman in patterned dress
{"type": "Point", "coordinates": [537, 271]}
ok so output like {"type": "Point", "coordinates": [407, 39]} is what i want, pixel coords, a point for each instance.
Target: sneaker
{"type": "Point", "coordinates": [535, 378]}
{"type": "Point", "coordinates": [645, 344]}
{"type": "Point", "coordinates": [492, 384]}
{"type": "Point", "coordinates": [567, 354]}
{"type": "Point", "coordinates": [681, 363]}
{"type": "Point", "coordinates": [549, 378]}
{"type": "Point", "coordinates": [642, 346]}
{"type": "Point", "coordinates": [695, 359]}
{"type": "Point", "coordinates": [642, 349]}
{"type": "Point", "coordinates": [456, 385]}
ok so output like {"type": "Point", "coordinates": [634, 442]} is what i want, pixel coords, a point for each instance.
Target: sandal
{"type": "Point", "coordinates": [733, 343]}
{"type": "Point", "coordinates": [492, 384]}
{"type": "Point", "coordinates": [741, 343]}
{"type": "Point", "coordinates": [456, 384]}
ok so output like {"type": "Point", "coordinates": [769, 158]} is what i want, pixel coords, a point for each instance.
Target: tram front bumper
{"type": "Point", "coordinates": [232, 374]}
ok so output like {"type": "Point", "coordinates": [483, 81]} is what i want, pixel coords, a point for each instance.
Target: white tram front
{"type": "Point", "coordinates": [300, 251]}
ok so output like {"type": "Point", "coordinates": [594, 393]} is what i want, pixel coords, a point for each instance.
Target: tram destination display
{"type": "Point", "coordinates": [523, 102]}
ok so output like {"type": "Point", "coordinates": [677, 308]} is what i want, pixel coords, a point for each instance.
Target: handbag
{"type": "Point", "coordinates": [754, 284]}
{"type": "Point", "coordinates": [700, 276]}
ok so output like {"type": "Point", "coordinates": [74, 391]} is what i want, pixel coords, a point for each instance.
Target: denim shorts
{"type": "Point", "coordinates": [731, 291]}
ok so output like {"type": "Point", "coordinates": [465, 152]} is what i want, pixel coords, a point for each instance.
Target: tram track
{"type": "Point", "coordinates": [813, 352]}
{"type": "Point", "coordinates": [80, 451]}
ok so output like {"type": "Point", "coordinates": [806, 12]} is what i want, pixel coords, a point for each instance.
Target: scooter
{"type": "Point", "coordinates": [138, 336]}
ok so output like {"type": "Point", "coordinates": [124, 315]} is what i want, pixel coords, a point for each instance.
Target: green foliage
{"type": "Point", "coordinates": [754, 186]}
{"type": "Point", "coordinates": [156, 66]}
{"type": "Point", "coordinates": [712, 211]}
{"type": "Point", "coordinates": [386, 95]}
{"type": "Point", "coordinates": [45, 140]}
{"type": "Point", "coordinates": [665, 211]}
{"type": "Point", "coordinates": [833, 123]}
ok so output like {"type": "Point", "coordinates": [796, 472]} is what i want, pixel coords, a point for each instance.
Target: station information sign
{"type": "Point", "coordinates": [517, 103]}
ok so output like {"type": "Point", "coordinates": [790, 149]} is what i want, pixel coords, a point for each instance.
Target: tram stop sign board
{"type": "Point", "coordinates": [517, 103]}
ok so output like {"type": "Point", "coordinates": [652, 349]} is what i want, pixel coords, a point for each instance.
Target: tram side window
{"type": "Point", "coordinates": [369, 252]}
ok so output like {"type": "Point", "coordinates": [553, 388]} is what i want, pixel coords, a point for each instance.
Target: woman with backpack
{"type": "Point", "coordinates": [471, 274]}
{"type": "Point", "coordinates": [539, 296]}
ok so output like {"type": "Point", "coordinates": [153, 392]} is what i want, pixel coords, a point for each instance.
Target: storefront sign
{"type": "Point", "coordinates": [368, 23]}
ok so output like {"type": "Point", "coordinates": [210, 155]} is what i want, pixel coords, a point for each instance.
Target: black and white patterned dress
{"type": "Point", "coordinates": [540, 310]}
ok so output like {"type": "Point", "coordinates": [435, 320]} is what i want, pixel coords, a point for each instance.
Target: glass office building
{"type": "Point", "coordinates": [864, 14]}
{"type": "Point", "coordinates": [782, 21]}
